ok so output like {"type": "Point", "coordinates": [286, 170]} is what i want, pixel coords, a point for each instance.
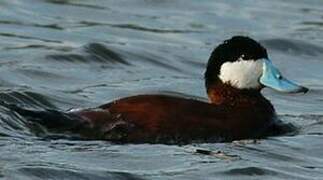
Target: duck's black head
{"type": "Point", "coordinates": [243, 63]}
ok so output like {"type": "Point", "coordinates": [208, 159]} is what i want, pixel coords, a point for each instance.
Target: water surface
{"type": "Point", "coordinates": [62, 54]}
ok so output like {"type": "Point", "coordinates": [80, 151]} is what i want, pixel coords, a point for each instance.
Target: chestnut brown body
{"type": "Point", "coordinates": [232, 114]}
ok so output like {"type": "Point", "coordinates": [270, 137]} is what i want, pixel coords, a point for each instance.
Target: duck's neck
{"type": "Point", "coordinates": [223, 94]}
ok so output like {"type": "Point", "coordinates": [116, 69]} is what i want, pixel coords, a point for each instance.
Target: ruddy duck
{"type": "Point", "coordinates": [236, 72]}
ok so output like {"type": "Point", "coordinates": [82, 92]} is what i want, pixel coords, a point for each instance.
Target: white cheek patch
{"type": "Point", "coordinates": [242, 74]}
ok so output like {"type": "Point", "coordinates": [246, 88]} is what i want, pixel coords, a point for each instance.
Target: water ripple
{"type": "Point", "coordinates": [49, 26]}
{"type": "Point", "coordinates": [137, 27]}
{"type": "Point", "coordinates": [95, 52]}
{"type": "Point", "coordinates": [76, 4]}
{"type": "Point", "coordinates": [294, 46]}
{"type": "Point", "coordinates": [28, 37]}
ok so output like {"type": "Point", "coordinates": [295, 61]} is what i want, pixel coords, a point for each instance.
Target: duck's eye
{"type": "Point", "coordinates": [278, 76]}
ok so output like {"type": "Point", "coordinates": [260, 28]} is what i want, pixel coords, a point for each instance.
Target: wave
{"type": "Point", "coordinates": [297, 47]}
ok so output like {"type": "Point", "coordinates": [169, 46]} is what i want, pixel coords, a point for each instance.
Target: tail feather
{"type": "Point", "coordinates": [49, 122]}
{"type": "Point", "coordinates": [51, 119]}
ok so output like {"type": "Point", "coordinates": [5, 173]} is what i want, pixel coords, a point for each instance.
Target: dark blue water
{"type": "Point", "coordinates": [63, 54]}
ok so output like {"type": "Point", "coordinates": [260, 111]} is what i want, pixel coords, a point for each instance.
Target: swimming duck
{"type": "Point", "coordinates": [237, 70]}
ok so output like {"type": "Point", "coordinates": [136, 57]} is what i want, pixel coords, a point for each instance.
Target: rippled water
{"type": "Point", "coordinates": [62, 54]}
